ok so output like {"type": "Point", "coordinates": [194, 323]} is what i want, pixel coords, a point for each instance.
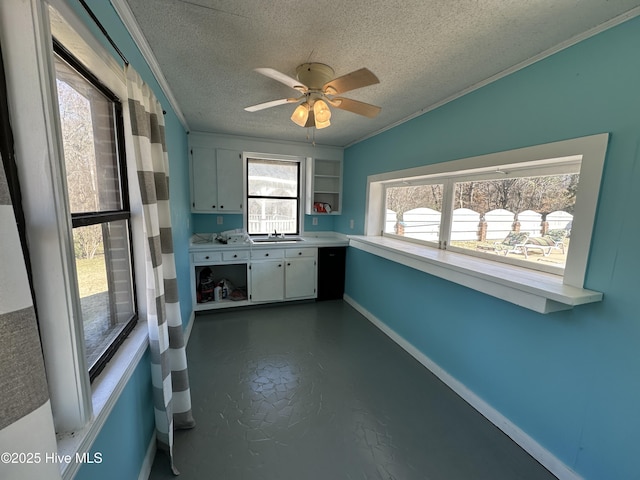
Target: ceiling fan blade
{"type": "Point", "coordinates": [357, 79]}
{"type": "Point", "coordinates": [272, 103]}
{"type": "Point", "coordinates": [282, 78]}
{"type": "Point", "coordinates": [355, 106]}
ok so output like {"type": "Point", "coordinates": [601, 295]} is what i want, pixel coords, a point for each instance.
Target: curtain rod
{"type": "Point", "coordinates": [104, 31]}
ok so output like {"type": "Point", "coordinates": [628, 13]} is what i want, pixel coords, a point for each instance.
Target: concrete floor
{"type": "Point", "coordinates": [313, 391]}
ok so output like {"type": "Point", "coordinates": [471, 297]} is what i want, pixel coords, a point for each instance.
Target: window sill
{"type": "Point", "coordinates": [537, 291]}
{"type": "Point", "coordinates": [106, 390]}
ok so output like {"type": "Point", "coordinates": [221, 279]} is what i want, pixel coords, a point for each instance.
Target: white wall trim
{"type": "Point", "coordinates": [536, 58]}
{"type": "Point", "coordinates": [147, 464]}
{"type": "Point", "coordinates": [189, 327]}
{"type": "Point", "coordinates": [129, 20]}
{"type": "Point", "coordinates": [537, 451]}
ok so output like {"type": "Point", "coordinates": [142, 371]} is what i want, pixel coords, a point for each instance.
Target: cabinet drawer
{"type": "Point", "coordinates": [206, 257]}
{"type": "Point", "coordinates": [237, 255]}
{"type": "Point", "coordinates": [300, 252]}
{"type": "Point", "coordinates": [267, 253]}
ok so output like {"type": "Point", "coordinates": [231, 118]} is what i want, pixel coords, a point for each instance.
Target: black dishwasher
{"type": "Point", "coordinates": [331, 265]}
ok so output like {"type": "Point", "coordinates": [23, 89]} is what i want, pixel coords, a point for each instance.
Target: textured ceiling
{"type": "Point", "coordinates": [423, 52]}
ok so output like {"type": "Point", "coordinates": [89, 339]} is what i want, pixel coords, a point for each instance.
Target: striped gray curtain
{"type": "Point", "coordinates": [24, 397]}
{"type": "Point", "coordinates": [172, 396]}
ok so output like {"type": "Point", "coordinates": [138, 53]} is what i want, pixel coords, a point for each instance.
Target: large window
{"type": "Point", "coordinates": [535, 213]}
{"type": "Point", "coordinates": [519, 214]}
{"type": "Point", "coordinates": [92, 137]}
{"type": "Point", "coordinates": [273, 196]}
{"type": "Point", "coordinates": [532, 207]}
{"type": "Point", "coordinates": [414, 211]}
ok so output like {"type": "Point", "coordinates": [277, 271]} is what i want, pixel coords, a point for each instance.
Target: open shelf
{"type": "Point", "coordinates": [235, 274]}
{"type": "Point", "coordinates": [324, 182]}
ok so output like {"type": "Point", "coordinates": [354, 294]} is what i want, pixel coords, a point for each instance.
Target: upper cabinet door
{"type": "Point", "coordinates": [230, 181]}
{"type": "Point", "coordinates": [204, 190]}
{"type": "Point", "coordinates": [216, 180]}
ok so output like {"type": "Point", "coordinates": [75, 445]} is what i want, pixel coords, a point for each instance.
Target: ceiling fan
{"type": "Point", "coordinates": [318, 87]}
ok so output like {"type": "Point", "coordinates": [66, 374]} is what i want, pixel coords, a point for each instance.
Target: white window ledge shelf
{"type": "Point", "coordinates": [537, 291]}
{"type": "Point", "coordinates": [106, 390]}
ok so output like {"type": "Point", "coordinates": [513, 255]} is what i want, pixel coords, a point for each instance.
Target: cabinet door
{"type": "Point", "coordinates": [300, 278]}
{"type": "Point", "coordinates": [230, 181]}
{"type": "Point", "coordinates": [204, 196]}
{"type": "Point", "coordinates": [267, 281]}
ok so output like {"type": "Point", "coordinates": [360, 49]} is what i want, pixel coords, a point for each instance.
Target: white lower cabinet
{"type": "Point", "coordinates": [300, 274]}
{"type": "Point", "coordinates": [263, 275]}
{"type": "Point", "coordinates": [267, 281]}
{"type": "Point", "coordinates": [283, 274]}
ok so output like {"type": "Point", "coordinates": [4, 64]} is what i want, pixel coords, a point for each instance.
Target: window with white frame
{"type": "Point", "coordinates": [96, 187]}
{"type": "Point", "coordinates": [517, 213]}
{"type": "Point", "coordinates": [273, 196]}
{"type": "Point", "coordinates": [532, 207]}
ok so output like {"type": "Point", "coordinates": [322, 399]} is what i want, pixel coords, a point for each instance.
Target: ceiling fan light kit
{"type": "Point", "coordinates": [316, 83]}
{"type": "Point", "coordinates": [301, 114]}
{"type": "Point", "coordinates": [322, 114]}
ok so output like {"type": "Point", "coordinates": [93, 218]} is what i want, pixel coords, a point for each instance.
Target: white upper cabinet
{"type": "Point", "coordinates": [230, 181]}
{"type": "Point", "coordinates": [324, 186]}
{"type": "Point", "coordinates": [218, 172]}
{"type": "Point", "coordinates": [216, 180]}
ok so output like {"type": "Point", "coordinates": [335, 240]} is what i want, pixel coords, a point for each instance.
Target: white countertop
{"type": "Point", "coordinates": [203, 241]}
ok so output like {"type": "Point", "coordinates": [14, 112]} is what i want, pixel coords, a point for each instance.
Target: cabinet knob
{"type": "Point", "coordinates": [279, 264]}
{"type": "Point", "coordinates": [288, 264]}
{"type": "Point", "coordinates": [213, 206]}
{"type": "Point", "coordinates": [299, 253]}
{"type": "Point", "coordinates": [235, 256]}
{"type": "Point", "coordinates": [266, 254]}
{"type": "Point", "coordinates": [207, 257]}
{"type": "Point", "coordinates": [221, 206]}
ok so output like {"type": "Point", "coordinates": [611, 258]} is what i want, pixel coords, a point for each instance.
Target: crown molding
{"type": "Point", "coordinates": [126, 15]}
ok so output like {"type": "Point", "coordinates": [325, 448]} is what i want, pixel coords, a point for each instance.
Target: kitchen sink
{"type": "Point", "coordinates": [277, 240]}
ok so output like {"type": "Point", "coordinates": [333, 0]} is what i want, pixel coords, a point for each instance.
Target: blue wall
{"type": "Point", "coordinates": [571, 380]}
{"type": "Point", "coordinates": [123, 441]}
{"type": "Point", "coordinates": [207, 223]}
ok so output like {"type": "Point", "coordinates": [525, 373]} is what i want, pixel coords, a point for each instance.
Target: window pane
{"type": "Point", "coordinates": [272, 178]}
{"type": "Point", "coordinates": [104, 280]}
{"type": "Point", "coordinates": [270, 215]}
{"type": "Point", "coordinates": [414, 211]}
{"type": "Point", "coordinates": [87, 121]}
{"type": "Point", "coordinates": [527, 218]}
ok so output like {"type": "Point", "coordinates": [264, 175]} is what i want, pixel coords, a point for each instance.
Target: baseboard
{"type": "Point", "coordinates": [187, 331]}
{"type": "Point", "coordinates": [533, 448]}
{"type": "Point", "coordinates": [147, 464]}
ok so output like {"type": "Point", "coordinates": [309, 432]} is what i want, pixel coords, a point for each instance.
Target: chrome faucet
{"type": "Point", "coordinates": [275, 234]}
